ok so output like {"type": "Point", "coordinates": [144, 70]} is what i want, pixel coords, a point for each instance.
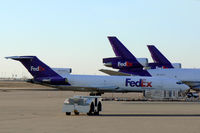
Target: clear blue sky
{"type": "Point", "coordinates": [73, 33]}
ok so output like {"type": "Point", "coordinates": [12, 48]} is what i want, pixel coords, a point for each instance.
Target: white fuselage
{"type": "Point", "coordinates": [180, 74]}
{"type": "Point", "coordinates": [121, 83]}
{"type": "Point", "coordinates": [192, 76]}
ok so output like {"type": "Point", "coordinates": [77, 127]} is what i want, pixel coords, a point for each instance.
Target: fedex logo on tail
{"type": "Point", "coordinates": [37, 69]}
{"type": "Point", "coordinates": [140, 83]}
{"type": "Point", "coordinates": [125, 64]}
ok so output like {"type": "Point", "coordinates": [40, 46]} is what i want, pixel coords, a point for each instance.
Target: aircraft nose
{"type": "Point", "coordinates": [184, 87]}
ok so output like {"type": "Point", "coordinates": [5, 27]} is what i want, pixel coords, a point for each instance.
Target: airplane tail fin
{"type": "Point", "coordinates": [36, 67]}
{"type": "Point", "coordinates": [158, 57]}
{"type": "Point", "coordinates": [123, 55]}
{"type": "Point", "coordinates": [119, 49]}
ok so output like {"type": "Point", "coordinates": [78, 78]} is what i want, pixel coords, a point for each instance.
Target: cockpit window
{"type": "Point", "coordinates": [179, 82]}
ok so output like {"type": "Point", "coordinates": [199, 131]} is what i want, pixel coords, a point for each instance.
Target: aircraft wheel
{"type": "Point", "coordinates": [89, 113]}
{"type": "Point", "coordinates": [95, 94]}
{"type": "Point", "coordinates": [68, 113]}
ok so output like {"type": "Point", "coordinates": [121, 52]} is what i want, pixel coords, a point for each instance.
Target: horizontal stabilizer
{"type": "Point", "coordinates": [19, 57]}
{"type": "Point", "coordinates": [85, 88]}
{"type": "Point", "coordinates": [114, 73]}
{"type": "Point", "coordinates": [63, 72]}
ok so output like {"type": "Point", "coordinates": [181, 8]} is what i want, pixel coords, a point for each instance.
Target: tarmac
{"type": "Point", "coordinates": [39, 111]}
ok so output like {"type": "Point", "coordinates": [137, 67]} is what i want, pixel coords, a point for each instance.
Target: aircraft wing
{"type": "Point", "coordinates": [78, 88]}
{"type": "Point", "coordinates": [65, 88]}
{"type": "Point", "coordinates": [114, 73]}
{"type": "Point", "coordinates": [195, 85]}
{"type": "Point", "coordinates": [86, 88]}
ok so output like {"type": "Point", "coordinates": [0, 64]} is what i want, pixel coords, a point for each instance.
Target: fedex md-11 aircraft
{"type": "Point", "coordinates": [133, 66]}
{"type": "Point", "coordinates": [44, 75]}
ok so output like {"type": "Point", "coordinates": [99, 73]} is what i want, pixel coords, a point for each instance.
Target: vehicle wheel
{"type": "Point", "coordinates": [99, 107]}
{"type": "Point", "coordinates": [89, 113]}
{"type": "Point", "coordinates": [95, 94]}
{"type": "Point", "coordinates": [76, 112]}
{"type": "Point", "coordinates": [96, 113]}
{"type": "Point", "coordinates": [92, 107]}
{"type": "Point", "coordinates": [68, 113]}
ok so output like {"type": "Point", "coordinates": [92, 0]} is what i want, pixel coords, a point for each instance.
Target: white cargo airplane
{"type": "Point", "coordinates": [44, 75]}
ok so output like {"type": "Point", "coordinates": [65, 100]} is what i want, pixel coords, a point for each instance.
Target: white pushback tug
{"type": "Point", "coordinates": [82, 104]}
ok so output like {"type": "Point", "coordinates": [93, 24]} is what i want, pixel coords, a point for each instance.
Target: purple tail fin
{"type": "Point", "coordinates": [121, 51]}
{"type": "Point", "coordinates": [124, 55]}
{"type": "Point", "coordinates": [36, 67]}
{"type": "Point", "coordinates": [158, 57]}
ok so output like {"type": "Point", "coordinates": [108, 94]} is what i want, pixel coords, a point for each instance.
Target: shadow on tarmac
{"type": "Point", "coordinates": [150, 115]}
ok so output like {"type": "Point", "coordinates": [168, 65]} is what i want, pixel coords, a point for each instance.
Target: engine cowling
{"type": "Point", "coordinates": [50, 81]}
{"type": "Point", "coordinates": [120, 63]}
{"type": "Point", "coordinates": [143, 61]}
{"type": "Point", "coordinates": [176, 65]}
{"type": "Point", "coordinates": [62, 71]}
{"type": "Point", "coordinates": [56, 81]}
{"type": "Point", "coordinates": [157, 65]}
